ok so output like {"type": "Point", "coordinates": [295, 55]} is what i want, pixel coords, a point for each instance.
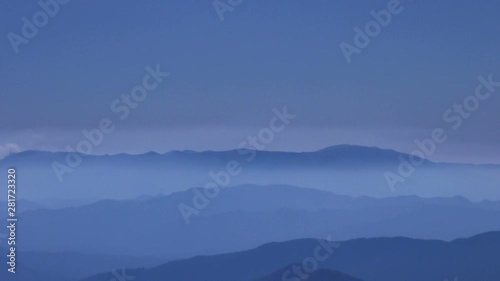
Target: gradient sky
{"type": "Point", "coordinates": [227, 76]}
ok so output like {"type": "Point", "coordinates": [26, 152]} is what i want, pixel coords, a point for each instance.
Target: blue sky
{"type": "Point", "coordinates": [227, 76]}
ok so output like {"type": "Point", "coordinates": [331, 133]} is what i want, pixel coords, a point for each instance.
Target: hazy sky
{"type": "Point", "coordinates": [227, 76]}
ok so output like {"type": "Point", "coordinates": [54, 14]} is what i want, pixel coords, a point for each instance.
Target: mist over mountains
{"type": "Point", "coordinates": [128, 210]}
{"type": "Point", "coordinates": [233, 140]}
{"type": "Point", "coordinates": [348, 170]}
{"type": "Point", "coordinates": [247, 216]}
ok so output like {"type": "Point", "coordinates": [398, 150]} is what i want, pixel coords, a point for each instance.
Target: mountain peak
{"type": "Point", "coordinates": [353, 148]}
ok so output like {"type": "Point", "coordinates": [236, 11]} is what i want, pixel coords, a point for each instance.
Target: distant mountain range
{"type": "Point", "coordinates": [106, 214]}
{"type": "Point", "coordinates": [344, 169]}
{"type": "Point", "coordinates": [376, 259]}
{"type": "Point", "coordinates": [244, 217]}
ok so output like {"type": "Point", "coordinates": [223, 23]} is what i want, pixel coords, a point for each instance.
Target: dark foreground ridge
{"type": "Point", "coordinates": [376, 259]}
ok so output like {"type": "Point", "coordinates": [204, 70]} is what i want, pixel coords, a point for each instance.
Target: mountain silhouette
{"type": "Point", "coordinates": [344, 169]}
{"type": "Point", "coordinates": [375, 259]}
{"type": "Point", "coordinates": [257, 214]}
